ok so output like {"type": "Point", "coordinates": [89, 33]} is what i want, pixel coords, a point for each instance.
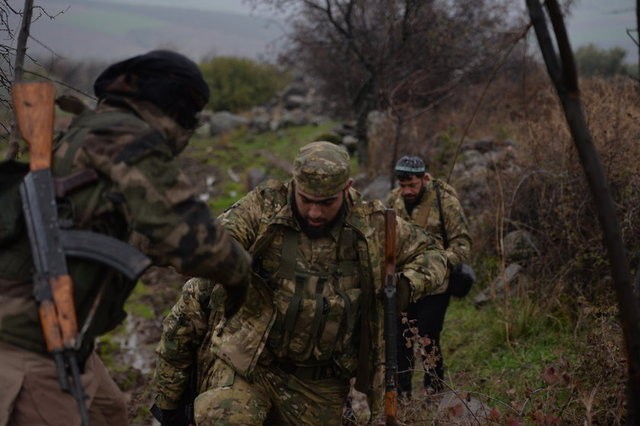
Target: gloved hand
{"type": "Point", "coordinates": [236, 296]}
{"type": "Point", "coordinates": [175, 417]}
{"type": "Point", "coordinates": [461, 279]}
{"type": "Point", "coordinates": [403, 293]}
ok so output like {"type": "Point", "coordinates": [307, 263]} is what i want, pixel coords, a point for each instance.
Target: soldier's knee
{"type": "Point", "coordinates": [221, 407]}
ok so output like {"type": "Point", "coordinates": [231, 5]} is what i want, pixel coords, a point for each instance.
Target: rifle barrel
{"type": "Point", "coordinates": [390, 320]}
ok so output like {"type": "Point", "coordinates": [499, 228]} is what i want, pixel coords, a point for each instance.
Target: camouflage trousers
{"type": "Point", "coordinates": [273, 397]}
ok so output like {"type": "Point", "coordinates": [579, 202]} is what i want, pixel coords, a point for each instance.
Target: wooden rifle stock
{"type": "Point", "coordinates": [33, 104]}
{"type": "Point", "coordinates": [53, 288]}
{"type": "Point", "coordinates": [390, 320]}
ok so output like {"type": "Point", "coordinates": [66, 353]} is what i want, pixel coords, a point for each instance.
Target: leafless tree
{"type": "Point", "coordinates": [369, 54]}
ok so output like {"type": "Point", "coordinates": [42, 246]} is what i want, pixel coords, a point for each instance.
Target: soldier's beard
{"type": "Point", "coordinates": [317, 231]}
{"type": "Point", "coordinates": [412, 201]}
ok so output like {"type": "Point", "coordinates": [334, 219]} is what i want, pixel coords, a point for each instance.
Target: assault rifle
{"type": "Point", "coordinates": [390, 320]}
{"type": "Point", "coordinates": [52, 285]}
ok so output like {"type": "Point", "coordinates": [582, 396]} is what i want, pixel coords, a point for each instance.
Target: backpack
{"type": "Point", "coordinates": [11, 219]}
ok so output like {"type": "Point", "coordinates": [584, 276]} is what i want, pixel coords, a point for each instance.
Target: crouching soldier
{"type": "Point", "coordinates": [313, 313]}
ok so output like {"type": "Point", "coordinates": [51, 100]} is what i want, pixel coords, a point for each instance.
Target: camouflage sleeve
{"type": "Point", "coordinates": [421, 259]}
{"type": "Point", "coordinates": [457, 229]}
{"type": "Point", "coordinates": [159, 203]}
{"type": "Point", "coordinates": [243, 219]}
{"type": "Point", "coordinates": [182, 332]}
{"type": "Point", "coordinates": [396, 202]}
{"type": "Point", "coordinates": [390, 200]}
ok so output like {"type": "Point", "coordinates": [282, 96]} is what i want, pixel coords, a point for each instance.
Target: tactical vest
{"type": "Point", "coordinates": [316, 313]}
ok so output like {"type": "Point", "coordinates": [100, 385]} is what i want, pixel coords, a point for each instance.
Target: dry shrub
{"type": "Point", "coordinates": [550, 196]}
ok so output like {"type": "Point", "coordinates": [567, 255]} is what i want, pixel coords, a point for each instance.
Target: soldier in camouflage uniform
{"type": "Point", "coordinates": [146, 113]}
{"type": "Point", "coordinates": [313, 315]}
{"type": "Point", "coordinates": [433, 205]}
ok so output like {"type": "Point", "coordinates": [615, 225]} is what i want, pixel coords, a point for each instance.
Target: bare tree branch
{"type": "Point", "coordinates": [21, 51]}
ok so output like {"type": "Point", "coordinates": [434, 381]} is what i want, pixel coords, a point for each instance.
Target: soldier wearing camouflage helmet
{"type": "Point", "coordinates": [433, 205]}
{"type": "Point", "coordinates": [146, 112]}
{"type": "Point", "coordinates": [313, 316]}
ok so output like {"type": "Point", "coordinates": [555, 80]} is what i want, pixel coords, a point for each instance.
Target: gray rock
{"type": "Point", "coordinates": [520, 245]}
{"type": "Point", "coordinates": [295, 102]}
{"type": "Point", "coordinates": [294, 117]}
{"type": "Point", "coordinates": [255, 177]}
{"type": "Point", "coordinates": [350, 142]}
{"type": "Point", "coordinates": [460, 408]}
{"type": "Point", "coordinates": [224, 121]}
{"type": "Point", "coordinates": [513, 280]}
{"type": "Point", "coordinates": [378, 189]}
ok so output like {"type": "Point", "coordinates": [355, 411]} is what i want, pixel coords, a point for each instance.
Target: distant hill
{"type": "Point", "coordinates": [106, 31]}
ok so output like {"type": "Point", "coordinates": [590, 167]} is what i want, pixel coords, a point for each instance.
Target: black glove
{"type": "Point", "coordinates": [461, 279]}
{"type": "Point", "coordinates": [236, 296]}
{"type": "Point", "coordinates": [403, 293]}
{"type": "Point", "coordinates": [174, 417]}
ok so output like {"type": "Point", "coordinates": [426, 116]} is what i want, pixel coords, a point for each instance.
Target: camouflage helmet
{"type": "Point", "coordinates": [321, 169]}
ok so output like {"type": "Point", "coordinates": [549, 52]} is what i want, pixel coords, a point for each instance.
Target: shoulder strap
{"type": "Point", "coordinates": [443, 228]}
{"type": "Point", "coordinates": [423, 219]}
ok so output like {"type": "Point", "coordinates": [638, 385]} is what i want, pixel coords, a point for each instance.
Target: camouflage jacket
{"type": "Point", "coordinates": [140, 189]}
{"type": "Point", "coordinates": [260, 217]}
{"type": "Point", "coordinates": [427, 215]}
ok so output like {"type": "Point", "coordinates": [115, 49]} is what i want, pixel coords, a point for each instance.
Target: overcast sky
{"type": "Point", "coordinates": [602, 22]}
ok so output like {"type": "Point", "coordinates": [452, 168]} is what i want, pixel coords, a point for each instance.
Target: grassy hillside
{"type": "Point", "coordinates": [539, 357]}
{"type": "Point", "coordinates": [233, 155]}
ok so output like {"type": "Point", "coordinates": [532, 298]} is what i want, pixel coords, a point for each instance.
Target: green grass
{"type": "Point", "coordinates": [242, 150]}
{"type": "Point", "coordinates": [500, 353]}
{"type": "Point", "coordinates": [241, 147]}
{"type": "Point", "coordinates": [136, 304]}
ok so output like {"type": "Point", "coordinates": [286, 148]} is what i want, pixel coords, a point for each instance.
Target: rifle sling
{"type": "Point", "coordinates": [77, 180]}
{"type": "Point", "coordinates": [443, 228]}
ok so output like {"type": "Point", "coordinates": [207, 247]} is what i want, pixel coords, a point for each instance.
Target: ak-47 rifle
{"type": "Point", "coordinates": [390, 320]}
{"type": "Point", "coordinates": [52, 285]}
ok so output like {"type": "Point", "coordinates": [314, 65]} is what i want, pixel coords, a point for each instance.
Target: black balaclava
{"type": "Point", "coordinates": [167, 79]}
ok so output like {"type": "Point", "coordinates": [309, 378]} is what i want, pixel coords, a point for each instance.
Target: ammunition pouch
{"type": "Point", "coordinates": [308, 372]}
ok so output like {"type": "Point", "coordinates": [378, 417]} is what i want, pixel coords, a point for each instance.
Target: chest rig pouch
{"type": "Point", "coordinates": [316, 312]}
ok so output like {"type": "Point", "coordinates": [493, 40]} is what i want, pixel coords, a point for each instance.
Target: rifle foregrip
{"type": "Point", "coordinates": [62, 289]}
{"type": "Point", "coordinates": [50, 326]}
{"type": "Point", "coordinates": [391, 408]}
{"type": "Point", "coordinates": [34, 107]}
{"type": "Point", "coordinates": [390, 241]}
